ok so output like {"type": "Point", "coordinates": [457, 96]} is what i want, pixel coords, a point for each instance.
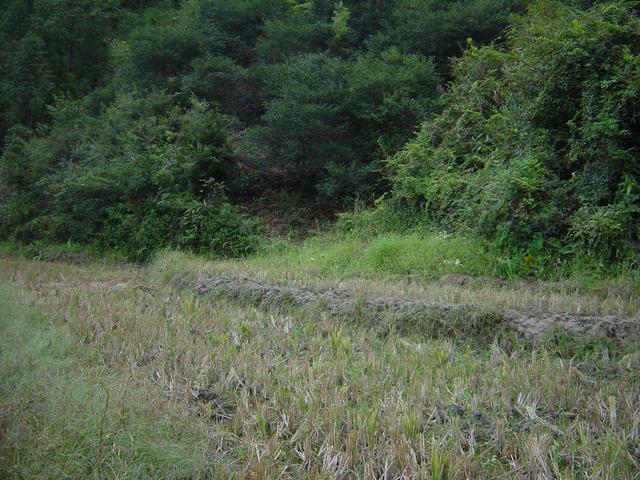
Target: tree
{"type": "Point", "coordinates": [538, 143]}
{"type": "Point", "coordinates": [328, 121]}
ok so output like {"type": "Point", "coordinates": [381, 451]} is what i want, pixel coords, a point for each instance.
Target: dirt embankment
{"type": "Point", "coordinates": [436, 318]}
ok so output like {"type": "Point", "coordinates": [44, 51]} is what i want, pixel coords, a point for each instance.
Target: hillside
{"type": "Point", "coordinates": [319, 239]}
{"type": "Point", "coordinates": [207, 126]}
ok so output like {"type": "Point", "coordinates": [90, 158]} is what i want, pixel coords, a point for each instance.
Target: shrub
{"type": "Point", "coordinates": [538, 142]}
{"type": "Point", "coordinates": [147, 174]}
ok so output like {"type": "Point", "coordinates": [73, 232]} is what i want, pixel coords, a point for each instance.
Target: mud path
{"type": "Point", "coordinates": [434, 318]}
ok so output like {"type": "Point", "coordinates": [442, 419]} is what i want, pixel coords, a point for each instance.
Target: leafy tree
{"type": "Point", "coordinates": [328, 121]}
{"type": "Point", "coordinates": [297, 33]}
{"type": "Point", "coordinates": [134, 124]}
{"type": "Point", "coordinates": [538, 143]}
{"type": "Point", "coordinates": [51, 48]}
{"type": "Point", "coordinates": [440, 28]}
{"type": "Point", "coordinates": [220, 80]}
{"type": "Point", "coordinates": [340, 30]}
{"type": "Point", "coordinates": [242, 21]}
{"type": "Point", "coordinates": [165, 49]}
{"type": "Point", "coordinates": [366, 17]}
{"type": "Point", "coordinates": [28, 85]}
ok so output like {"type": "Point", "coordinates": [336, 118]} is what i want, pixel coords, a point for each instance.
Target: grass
{"type": "Point", "coordinates": [204, 388]}
{"type": "Point", "coordinates": [432, 255]}
{"type": "Point", "coordinates": [307, 265]}
{"type": "Point", "coordinates": [66, 413]}
{"type": "Point", "coordinates": [429, 256]}
{"type": "Point", "coordinates": [419, 259]}
{"type": "Point", "coordinates": [426, 259]}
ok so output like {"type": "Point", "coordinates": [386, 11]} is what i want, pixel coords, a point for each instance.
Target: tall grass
{"type": "Point", "coordinates": [431, 256]}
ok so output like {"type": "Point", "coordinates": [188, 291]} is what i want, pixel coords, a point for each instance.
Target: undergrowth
{"type": "Point", "coordinates": [435, 255]}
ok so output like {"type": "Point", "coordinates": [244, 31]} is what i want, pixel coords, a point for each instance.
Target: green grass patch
{"type": "Point", "coordinates": [430, 256]}
{"type": "Point", "coordinates": [435, 255]}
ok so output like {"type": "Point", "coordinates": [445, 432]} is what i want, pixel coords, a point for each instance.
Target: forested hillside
{"type": "Point", "coordinates": [319, 239]}
{"type": "Point", "coordinates": [131, 126]}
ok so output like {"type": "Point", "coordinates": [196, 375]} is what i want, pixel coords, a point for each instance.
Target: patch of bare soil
{"type": "Point", "coordinates": [342, 304]}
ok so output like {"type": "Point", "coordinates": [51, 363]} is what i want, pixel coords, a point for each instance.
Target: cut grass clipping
{"type": "Point", "coordinates": [112, 372]}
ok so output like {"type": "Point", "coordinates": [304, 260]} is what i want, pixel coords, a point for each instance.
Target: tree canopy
{"type": "Point", "coordinates": [135, 125]}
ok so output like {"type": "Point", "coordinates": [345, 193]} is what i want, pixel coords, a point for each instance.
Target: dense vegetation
{"type": "Point", "coordinates": [538, 143]}
{"type": "Point", "coordinates": [136, 125]}
{"type": "Point", "coordinates": [438, 206]}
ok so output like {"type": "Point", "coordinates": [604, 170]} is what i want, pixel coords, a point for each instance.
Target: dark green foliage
{"type": "Point", "coordinates": [300, 32]}
{"type": "Point", "coordinates": [221, 80]}
{"type": "Point", "coordinates": [329, 121]}
{"type": "Point", "coordinates": [164, 50]}
{"type": "Point", "coordinates": [538, 143]}
{"type": "Point", "coordinates": [440, 28]}
{"type": "Point", "coordinates": [28, 83]}
{"type": "Point", "coordinates": [179, 221]}
{"type": "Point", "coordinates": [51, 47]}
{"type": "Point", "coordinates": [135, 125]}
{"type": "Point", "coordinates": [147, 173]}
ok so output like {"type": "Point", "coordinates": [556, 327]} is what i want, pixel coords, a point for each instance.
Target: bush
{"type": "Point", "coordinates": [179, 221]}
{"type": "Point", "coordinates": [537, 147]}
{"type": "Point", "coordinates": [147, 174]}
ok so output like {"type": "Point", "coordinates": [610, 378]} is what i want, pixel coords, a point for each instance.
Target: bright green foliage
{"type": "Point", "coordinates": [538, 144]}
{"type": "Point", "coordinates": [340, 27]}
